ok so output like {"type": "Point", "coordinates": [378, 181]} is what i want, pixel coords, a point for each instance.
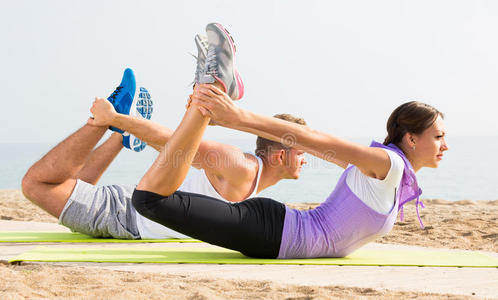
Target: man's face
{"type": "Point", "coordinates": [293, 163]}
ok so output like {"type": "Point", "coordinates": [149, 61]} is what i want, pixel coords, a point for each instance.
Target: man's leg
{"type": "Point", "coordinates": [51, 180]}
{"type": "Point", "coordinates": [100, 158]}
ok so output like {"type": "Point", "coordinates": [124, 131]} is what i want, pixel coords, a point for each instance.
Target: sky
{"type": "Point", "coordinates": [344, 66]}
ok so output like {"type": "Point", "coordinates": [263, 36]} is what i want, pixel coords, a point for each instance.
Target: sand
{"type": "Point", "coordinates": [56, 282]}
{"type": "Point", "coordinates": [14, 206]}
{"type": "Point", "coordinates": [470, 225]}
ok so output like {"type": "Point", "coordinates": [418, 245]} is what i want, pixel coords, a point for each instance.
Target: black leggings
{"type": "Point", "coordinates": [252, 227]}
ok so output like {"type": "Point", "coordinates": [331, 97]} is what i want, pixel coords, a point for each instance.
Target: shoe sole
{"type": "Point", "coordinates": [143, 103]}
{"type": "Point", "coordinates": [238, 78]}
{"type": "Point", "coordinates": [142, 106]}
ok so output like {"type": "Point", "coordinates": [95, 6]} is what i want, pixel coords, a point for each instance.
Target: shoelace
{"type": "Point", "coordinates": [198, 69]}
{"type": "Point", "coordinates": [200, 62]}
{"type": "Point", "coordinates": [115, 93]}
{"type": "Point", "coordinates": [211, 66]}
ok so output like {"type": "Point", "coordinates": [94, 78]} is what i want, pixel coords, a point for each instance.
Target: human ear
{"type": "Point", "coordinates": [412, 139]}
{"type": "Point", "coordinates": [281, 155]}
{"type": "Point", "coordinates": [409, 141]}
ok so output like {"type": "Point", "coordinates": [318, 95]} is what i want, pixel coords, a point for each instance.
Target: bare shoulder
{"type": "Point", "coordinates": [375, 162]}
{"type": "Point", "coordinates": [250, 166]}
{"type": "Point", "coordinates": [236, 170]}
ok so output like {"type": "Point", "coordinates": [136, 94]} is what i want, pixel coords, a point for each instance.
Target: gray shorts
{"type": "Point", "coordinates": [101, 211]}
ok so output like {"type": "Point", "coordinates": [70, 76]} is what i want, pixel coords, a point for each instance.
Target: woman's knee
{"type": "Point", "coordinates": [155, 185]}
{"type": "Point", "coordinates": [145, 202]}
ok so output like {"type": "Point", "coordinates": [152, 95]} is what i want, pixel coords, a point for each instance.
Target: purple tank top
{"type": "Point", "coordinates": [343, 223]}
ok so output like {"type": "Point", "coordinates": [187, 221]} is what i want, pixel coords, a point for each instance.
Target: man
{"type": "Point", "coordinates": [63, 182]}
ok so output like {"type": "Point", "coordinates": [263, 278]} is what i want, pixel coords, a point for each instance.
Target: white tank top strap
{"type": "Point", "coordinates": [260, 169]}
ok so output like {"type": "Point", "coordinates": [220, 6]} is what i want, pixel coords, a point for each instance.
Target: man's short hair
{"type": "Point", "coordinates": [265, 146]}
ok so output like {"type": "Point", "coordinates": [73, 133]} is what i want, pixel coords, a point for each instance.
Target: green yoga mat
{"type": "Point", "coordinates": [72, 237]}
{"type": "Point", "coordinates": [362, 257]}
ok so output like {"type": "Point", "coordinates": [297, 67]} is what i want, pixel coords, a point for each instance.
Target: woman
{"type": "Point", "coordinates": [377, 181]}
{"type": "Point", "coordinates": [362, 207]}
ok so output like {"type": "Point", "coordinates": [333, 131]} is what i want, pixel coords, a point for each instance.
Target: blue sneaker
{"type": "Point", "coordinates": [122, 97]}
{"type": "Point", "coordinates": [141, 107]}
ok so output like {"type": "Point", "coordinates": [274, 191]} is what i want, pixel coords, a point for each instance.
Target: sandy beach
{"type": "Point", "coordinates": [468, 225]}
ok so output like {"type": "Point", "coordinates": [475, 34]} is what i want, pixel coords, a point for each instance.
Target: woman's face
{"type": "Point", "coordinates": [430, 145]}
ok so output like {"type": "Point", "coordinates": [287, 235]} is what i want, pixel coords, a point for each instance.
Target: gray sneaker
{"type": "Point", "coordinates": [201, 42]}
{"type": "Point", "coordinates": [220, 61]}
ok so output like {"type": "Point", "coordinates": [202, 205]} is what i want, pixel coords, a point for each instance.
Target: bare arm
{"type": "Point", "coordinates": [338, 162]}
{"type": "Point", "coordinates": [216, 158]}
{"type": "Point", "coordinates": [371, 161]}
{"type": "Point", "coordinates": [148, 131]}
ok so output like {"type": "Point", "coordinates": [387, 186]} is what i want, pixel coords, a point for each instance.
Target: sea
{"type": "Point", "coordinates": [467, 172]}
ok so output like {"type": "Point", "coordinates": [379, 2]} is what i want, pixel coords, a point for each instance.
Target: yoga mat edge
{"type": "Point", "coordinates": [183, 255]}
